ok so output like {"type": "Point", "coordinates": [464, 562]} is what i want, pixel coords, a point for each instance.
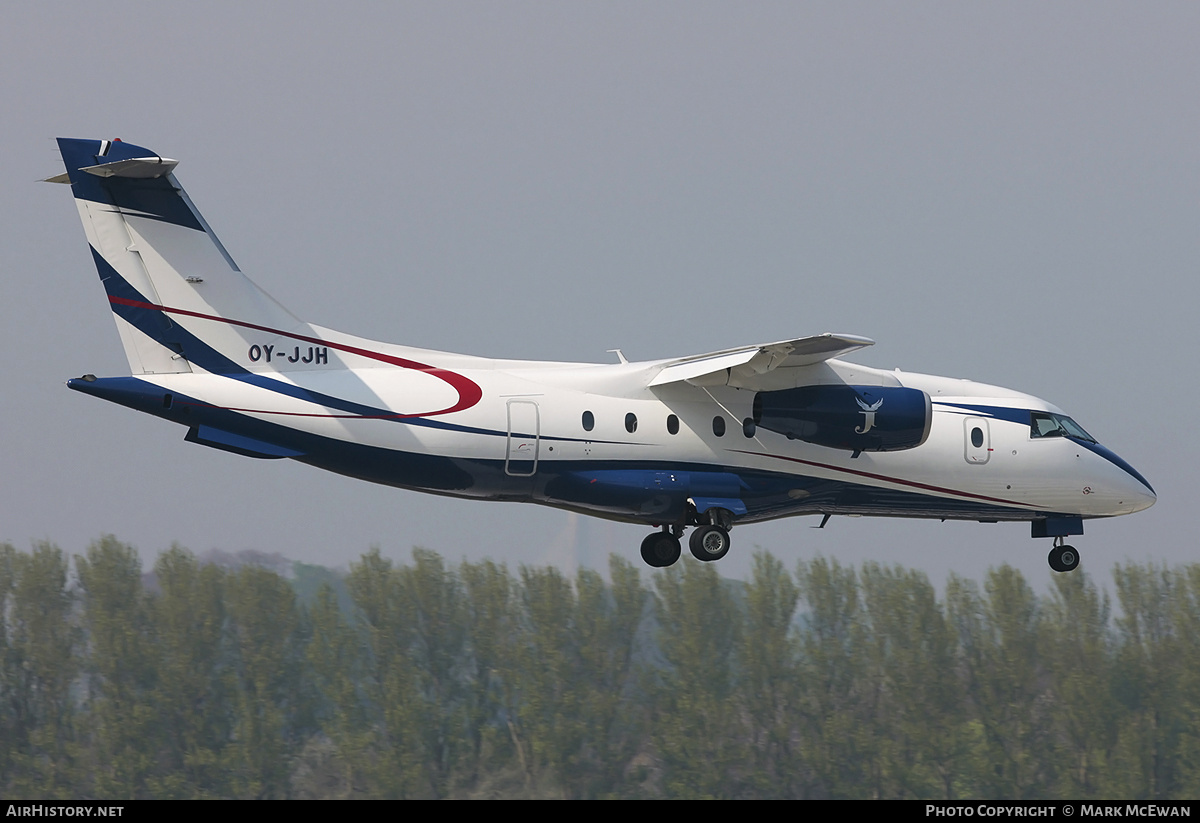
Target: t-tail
{"type": "Point", "coordinates": [180, 302]}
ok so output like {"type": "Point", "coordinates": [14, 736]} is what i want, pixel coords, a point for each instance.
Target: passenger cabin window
{"type": "Point", "coordinates": [589, 421]}
{"type": "Point", "coordinates": [1048, 424]}
{"type": "Point", "coordinates": [977, 437]}
{"type": "Point", "coordinates": [719, 426]}
{"type": "Point", "coordinates": [631, 422]}
{"type": "Point", "coordinates": [748, 427]}
{"type": "Point", "coordinates": [672, 424]}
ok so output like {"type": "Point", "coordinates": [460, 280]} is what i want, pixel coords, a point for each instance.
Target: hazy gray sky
{"type": "Point", "coordinates": [1006, 192]}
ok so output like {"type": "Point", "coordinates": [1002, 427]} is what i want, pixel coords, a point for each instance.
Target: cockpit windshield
{"type": "Point", "coordinates": [1046, 424]}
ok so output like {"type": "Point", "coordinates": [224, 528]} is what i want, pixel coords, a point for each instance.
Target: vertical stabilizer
{"type": "Point", "coordinates": [180, 302]}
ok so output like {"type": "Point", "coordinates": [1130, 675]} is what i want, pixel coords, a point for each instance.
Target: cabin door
{"type": "Point", "coordinates": [978, 443]}
{"type": "Point", "coordinates": [524, 434]}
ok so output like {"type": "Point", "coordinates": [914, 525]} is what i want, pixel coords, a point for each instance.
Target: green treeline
{"type": "Point", "coordinates": [472, 680]}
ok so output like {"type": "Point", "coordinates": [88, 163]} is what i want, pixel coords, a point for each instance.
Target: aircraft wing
{"type": "Point", "coordinates": [760, 359]}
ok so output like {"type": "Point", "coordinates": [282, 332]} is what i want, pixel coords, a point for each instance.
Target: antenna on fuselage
{"type": "Point", "coordinates": [620, 356]}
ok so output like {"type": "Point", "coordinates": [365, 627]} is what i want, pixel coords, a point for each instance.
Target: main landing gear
{"type": "Point", "coordinates": [661, 549]}
{"type": "Point", "coordinates": [1063, 558]}
{"type": "Point", "coordinates": [709, 541]}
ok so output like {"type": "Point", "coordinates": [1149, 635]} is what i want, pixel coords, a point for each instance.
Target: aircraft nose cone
{"type": "Point", "coordinates": [1139, 495]}
{"type": "Point", "coordinates": [1125, 490]}
{"type": "Point", "coordinates": [1133, 492]}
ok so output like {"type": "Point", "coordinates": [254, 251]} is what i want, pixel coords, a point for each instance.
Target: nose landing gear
{"type": "Point", "coordinates": [1063, 558]}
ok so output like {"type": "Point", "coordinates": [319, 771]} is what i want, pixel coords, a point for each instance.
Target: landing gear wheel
{"type": "Point", "coordinates": [660, 549]}
{"type": "Point", "coordinates": [709, 543]}
{"type": "Point", "coordinates": [1063, 558]}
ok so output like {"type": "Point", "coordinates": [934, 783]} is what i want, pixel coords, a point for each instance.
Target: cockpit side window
{"type": "Point", "coordinates": [1044, 425]}
{"type": "Point", "coordinates": [1047, 424]}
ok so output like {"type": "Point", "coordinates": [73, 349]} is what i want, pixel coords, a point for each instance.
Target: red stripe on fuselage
{"type": "Point", "coordinates": [469, 392]}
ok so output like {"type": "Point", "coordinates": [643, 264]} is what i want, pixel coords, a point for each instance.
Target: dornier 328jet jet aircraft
{"type": "Point", "coordinates": [708, 442]}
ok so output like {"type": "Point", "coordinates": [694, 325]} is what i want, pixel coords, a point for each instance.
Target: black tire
{"type": "Point", "coordinates": [709, 543]}
{"type": "Point", "coordinates": [660, 550]}
{"type": "Point", "coordinates": [1064, 558]}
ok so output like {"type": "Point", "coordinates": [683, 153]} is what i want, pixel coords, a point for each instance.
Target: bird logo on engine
{"type": "Point", "coordinates": [869, 414]}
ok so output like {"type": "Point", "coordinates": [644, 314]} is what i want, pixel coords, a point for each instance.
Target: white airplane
{"type": "Point", "coordinates": [710, 441]}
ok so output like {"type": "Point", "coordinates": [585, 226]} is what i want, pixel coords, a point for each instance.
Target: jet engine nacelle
{"type": "Point", "coordinates": [855, 418]}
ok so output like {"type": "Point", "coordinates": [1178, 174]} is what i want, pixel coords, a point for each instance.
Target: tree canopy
{"type": "Point", "coordinates": [436, 680]}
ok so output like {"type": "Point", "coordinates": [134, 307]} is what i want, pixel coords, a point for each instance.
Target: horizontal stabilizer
{"type": "Point", "coordinates": [137, 168]}
{"type": "Point", "coordinates": [712, 368]}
